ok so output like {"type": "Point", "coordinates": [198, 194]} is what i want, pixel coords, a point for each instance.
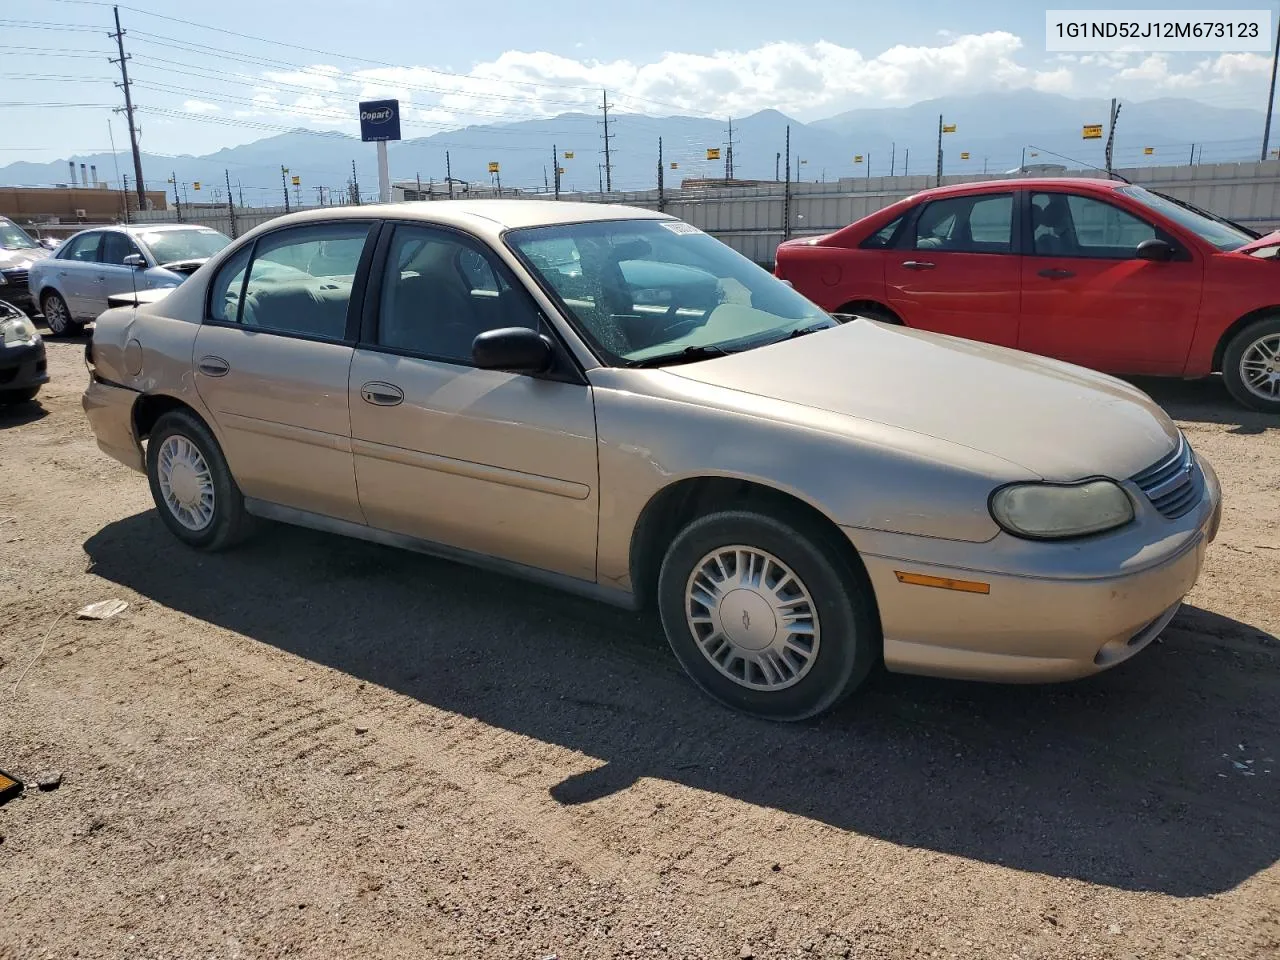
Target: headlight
{"type": "Point", "coordinates": [3, 279]}
{"type": "Point", "coordinates": [17, 331]}
{"type": "Point", "coordinates": [1052, 511]}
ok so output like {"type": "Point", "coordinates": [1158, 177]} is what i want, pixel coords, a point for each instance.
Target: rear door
{"type": "Point", "coordinates": [77, 274]}
{"type": "Point", "coordinates": [955, 269]}
{"type": "Point", "coordinates": [272, 360]}
{"type": "Point", "coordinates": [1088, 299]}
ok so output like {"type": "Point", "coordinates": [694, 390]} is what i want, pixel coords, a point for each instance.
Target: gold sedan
{"type": "Point", "coordinates": [611, 401]}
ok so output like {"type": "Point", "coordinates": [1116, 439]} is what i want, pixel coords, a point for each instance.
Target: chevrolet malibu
{"type": "Point", "coordinates": [799, 498]}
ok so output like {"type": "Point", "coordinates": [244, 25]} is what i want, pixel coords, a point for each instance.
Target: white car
{"type": "Point", "coordinates": [71, 287]}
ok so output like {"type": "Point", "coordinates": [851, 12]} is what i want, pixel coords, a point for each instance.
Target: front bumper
{"type": "Point", "coordinates": [110, 412]}
{"type": "Point", "coordinates": [1053, 611]}
{"type": "Point", "coordinates": [23, 367]}
{"type": "Point", "coordinates": [16, 290]}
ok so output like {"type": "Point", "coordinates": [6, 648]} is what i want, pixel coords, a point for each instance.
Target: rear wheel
{"type": "Point", "coordinates": [24, 395]}
{"type": "Point", "coordinates": [871, 313]}
{"type": "Point", "coordinates": [57, 316]}
{"type": "Point", "coordinates": [1251, 365]}
{"type": "Point", "coordinates": [192, 486]}
{"type": "Point", "coordinates": [765, 615]}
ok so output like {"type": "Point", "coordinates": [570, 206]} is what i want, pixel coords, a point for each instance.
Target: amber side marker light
{"type": "Point", "coordinates": [943, 583]}
{"type": "Point", "coordinates": [10, 787]}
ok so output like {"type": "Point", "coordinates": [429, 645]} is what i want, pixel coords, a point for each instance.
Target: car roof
{"type": "Point", "coordinates": [1024, 183]}
{"type": "Point", "coordinates": [494, 214]}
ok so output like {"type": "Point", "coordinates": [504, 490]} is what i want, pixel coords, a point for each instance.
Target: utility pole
{"type": "Point", "coordinates": [555, 160]}
{"type": "Point", "coordinates": [177, 200]}
{"type": "Point", "coordinates": [1022, 167]}
{"type": "Point", "coordinates": [868, 165]}
{"type": "Point", "coordinates": [124, 196]}
{"type": "Point", "coordinates": [118, 36]}
{"type": "Point", "coordinates": [608, 164]}
{"type": "Point", "coordinates": [1192, 159]}
{"type": "Point", "coordinates": [893, 157]}
{"type": "Point", "coordinates": [777, 161]}
{"type": "Point", "coordinates": [662, 195]}
{"type": "Point", "coordinates": [297, 193]}
{"type": "Point", "coordinates": [600, 174]}
{"type": "Point", "coordinates": [355, 186]}
{"type": "Point", "coordinates": [728, 155]}
{"type": "Point", "coordinates": [786, 192]}
{"type": "Point", "coordinates": [906, 163]}
{"type": "Point", "coordinates": [546, 184]}
{"type": "Point", "coordinates": [1271, 97]}
{"type": "Point", "coordinates": [231, 207]}
{"type": "Point", "coordinates": [284, 185]}
{"type": "Point", "coordinates": [448, 173]}
{"type": "Point", "coordinates": [418, 177]}
{"type": "Point", "coordinates": [1111, 133]}
{"type": "Point", "coordinates": [939, 182]}
{"type": "Point", "coordinates": [319, 196]}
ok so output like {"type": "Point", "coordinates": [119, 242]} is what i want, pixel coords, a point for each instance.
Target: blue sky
{"type": "Point", "coordinates": [201, 89]}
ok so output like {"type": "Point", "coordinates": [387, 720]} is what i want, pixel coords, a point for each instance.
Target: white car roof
{"type": "Point", "coordinates": [495, 214]}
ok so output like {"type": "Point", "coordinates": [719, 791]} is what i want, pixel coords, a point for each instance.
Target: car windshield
{"type": "Point", "coordinates": [13, 237]}
{"type": "Point", "coordinates": [658, 291]}
{"type": "Point", "coordinates": [172, 246]}
{"type": "Point", "coordinates": [1216, 231]}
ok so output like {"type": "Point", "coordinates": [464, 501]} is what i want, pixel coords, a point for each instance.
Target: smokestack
{"type": "Point", "coordinates": [93, 175]}
{"type": "Point", "coordinates": [84, 176]}
{"type": "Point", "coordinates": [71, 165]}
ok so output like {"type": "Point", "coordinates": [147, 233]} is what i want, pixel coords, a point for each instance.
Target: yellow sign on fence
{"type": "Point", "coordinates": [674, 165]}
{"type": "Point", "coordinates": [713, 153]}
{"type": "Point", "coordinates": [196, 185]}
{"type": "Point", "coordinates": [568, 154]}
{"type": "Point", "coordinates": [1148, 150]}
{"type": "Point", "coordinates": [857, 158]}
{"type": "Point", "coordinates": [297, 180]}
{"type": "Point", "coordinates": [965, 155]}
{"type": "Point", "coordinates": [948, 128]}
{"type": "Point", "coordinates": [493, 166]}
{"type": "Point", "coordinates": [1092, 131]}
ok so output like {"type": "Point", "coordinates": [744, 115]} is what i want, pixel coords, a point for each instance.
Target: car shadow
{"type": "Point", "coordinates": [1149, 777]}
{"type": "Point", "coordinates": [19, 414]}
{"type": "Point", "coordinates": [1205, 401]}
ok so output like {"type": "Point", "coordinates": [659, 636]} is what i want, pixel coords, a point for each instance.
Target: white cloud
{"type": "Point", "coordinates": [200, 106]}
{"type": "Point", "coordinates": [1228, 69]}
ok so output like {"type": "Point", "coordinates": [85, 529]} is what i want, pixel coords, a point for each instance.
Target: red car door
{"type": "Point", "coordinates": [956, 270]}
{"type": "Point", "coordinates": [1088, 298]}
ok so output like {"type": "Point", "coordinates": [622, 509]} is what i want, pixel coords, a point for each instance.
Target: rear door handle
{"type": "Point", "coordinates": [918, 264]}
{"type": "Point", "coordinates": [381, 394]}
{"type": "Point", "coordinates": [214, 366]}
{"type": "Point", "coordinates": [1056, 274]}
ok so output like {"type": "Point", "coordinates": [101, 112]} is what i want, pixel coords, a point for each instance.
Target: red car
{"type": "Point", "coordinates": [1097, 272]}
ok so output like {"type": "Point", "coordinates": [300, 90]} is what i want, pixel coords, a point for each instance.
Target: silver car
{"type": "Point", "coordinates": [664, 424]}
{"type": "Point", "coordinates": [72, 286]}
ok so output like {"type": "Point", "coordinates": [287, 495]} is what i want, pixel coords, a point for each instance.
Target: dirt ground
{"type": "Point", "coordinates": [313, 747]}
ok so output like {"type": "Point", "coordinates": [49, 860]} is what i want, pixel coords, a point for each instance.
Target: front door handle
{"type": "Point", "coordinates": [214, 366]}
{"type": "Point", "coordinates": [381, 394]}
{"type": "Point", "coordinates": [918, 264]}
{"type": "Point", "coordinates": [1056, 274]}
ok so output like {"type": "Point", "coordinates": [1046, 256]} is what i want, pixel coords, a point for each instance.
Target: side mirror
{"type": "Point", "coordinates": [513, 349]}
{"type": "Point", "coordinates": [1159, 251]}
{"type": "Point", "coordinates": [135, 260]}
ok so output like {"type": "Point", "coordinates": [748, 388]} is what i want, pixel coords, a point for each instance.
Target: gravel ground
{"type": "Point", "coordinates": [313, 747]}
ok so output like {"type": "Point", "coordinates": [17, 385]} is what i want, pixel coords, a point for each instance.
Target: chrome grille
{"type": "Point", "coordinates": [16, 276]}
{"type": "Point", "coordinates": [1174, 484]}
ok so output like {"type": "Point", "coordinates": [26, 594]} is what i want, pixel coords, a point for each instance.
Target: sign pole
{"type": "Point", "coordinates": [384, 175]}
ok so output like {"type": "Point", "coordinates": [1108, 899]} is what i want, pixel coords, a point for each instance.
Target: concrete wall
{"type": "Point", "coordinates": [749, 219]}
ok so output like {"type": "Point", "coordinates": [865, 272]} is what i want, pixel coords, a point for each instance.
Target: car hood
{"type": "Point", "coordinates": [1056, 420]}
{"type": "Point", "coordinates": [1269, 240]}
{"type": "Point", "coordinates": [21, 258]}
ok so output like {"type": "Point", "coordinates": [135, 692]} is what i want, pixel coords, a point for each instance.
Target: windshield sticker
{"type": "Point", "coordinates": [679, 226]}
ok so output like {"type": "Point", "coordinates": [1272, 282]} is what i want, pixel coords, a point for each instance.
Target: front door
{"type": "Point", "coordinates": [956, 269]}
{"type": "Point", "coordinates": [114, 276]}
{"type": "Point", "coordinates": [499, 464]}
{"type": "Point", "coordinates": [1088, 299]}
{"type": "Point", "coordinates": [272, 361]}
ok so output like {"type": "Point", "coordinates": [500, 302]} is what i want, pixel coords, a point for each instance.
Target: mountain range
{"type": "Point", "coordinates": [997, 131]}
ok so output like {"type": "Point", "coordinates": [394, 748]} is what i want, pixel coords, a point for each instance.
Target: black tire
{"type": "Point", "coordinates": [25, 395]}
{"type": "Point", "coordinates": [849, 637]}
{"type": "Point", "coordinates": [230, 523]}
{"type": "Point", "coordinates": [57, 315]}
{"type": "Point", "coordinates": [1268, 326]}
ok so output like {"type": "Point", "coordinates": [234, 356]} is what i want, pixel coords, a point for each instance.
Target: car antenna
{"type": "Point", "coordinates": [1085, 166]}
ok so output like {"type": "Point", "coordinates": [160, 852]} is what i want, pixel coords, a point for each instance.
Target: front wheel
{"type": "Point", "coordinates": [25, 395]}
{"type": "Point", "coordinates": [1251, 365]}
{"type": "Point", "coordinates": [766, 615]}
{"type": "Point", "coordinates": [57, 316]}
{"type": "Point", "coordinates": [192, 486]}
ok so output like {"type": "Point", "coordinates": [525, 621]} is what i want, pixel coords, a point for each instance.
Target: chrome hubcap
{"type": "Point", "coordinates": [1260, 367]}
{"type": "Point", "coordinates": [185, 482]}
{"type": "Point", "coordinates": [752, 618]}
{"type": "Point", "coordinates": [55, 315]}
